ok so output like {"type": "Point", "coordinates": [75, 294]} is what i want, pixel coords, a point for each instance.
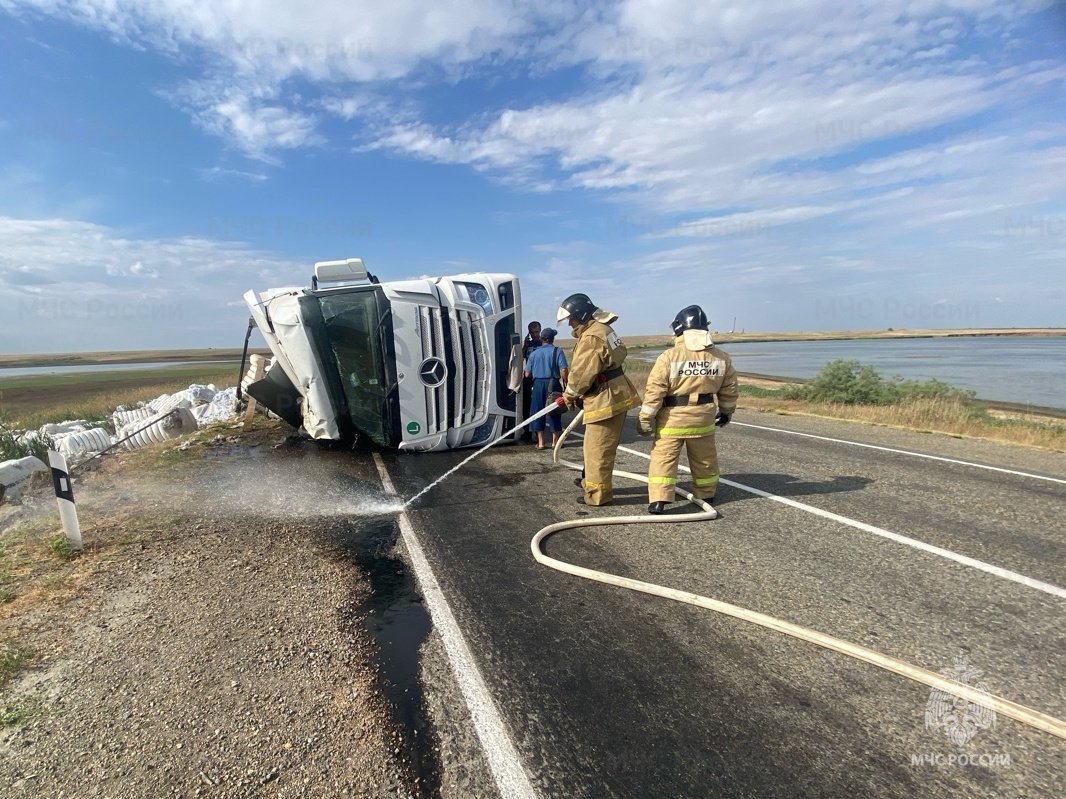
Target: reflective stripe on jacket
{"type": "Point", "coordinates": [681, 371]}
{"type": "Point", "coordinates": [598, 349]}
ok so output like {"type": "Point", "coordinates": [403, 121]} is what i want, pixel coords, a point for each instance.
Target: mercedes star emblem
{"type": "Point", "coordinates": [432, 372]}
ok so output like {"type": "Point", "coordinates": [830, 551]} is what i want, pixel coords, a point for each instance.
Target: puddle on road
{"type": "Point", "coordinates": [398, 623]}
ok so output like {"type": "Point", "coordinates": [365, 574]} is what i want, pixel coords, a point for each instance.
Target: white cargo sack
{"type": "Point", "coordinates": [222, 407]}
{"type": "Point", "coordinates": [121, 418]}
{"type": "Point", "coordinates": [249, 375]}
{"type": "Point", "coordinates": [200, 394]}
{"type": "Point", "coordinates": [14, 473]}
{"type": "Point", "coordinates": [57, 429]}
{"type": "Point", "coordinates": [88, 442]}
{"type": "Point", "coordinates": [182, 399]}
{"type": "Point", "coordinates": [160, 427]}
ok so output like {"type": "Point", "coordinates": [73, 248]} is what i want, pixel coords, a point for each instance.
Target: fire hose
{"type": "Point", "coordinates": [1006, 707]}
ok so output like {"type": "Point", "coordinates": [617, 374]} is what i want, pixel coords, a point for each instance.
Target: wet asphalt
{"type": "Point", "coordinates": [609, 693]}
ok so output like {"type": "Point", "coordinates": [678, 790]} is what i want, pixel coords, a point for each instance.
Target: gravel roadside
{"type": "Point", "coordinates": [209, 651]}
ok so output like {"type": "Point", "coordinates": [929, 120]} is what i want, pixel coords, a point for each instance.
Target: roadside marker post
{"type": "Point", "coordinates": [65, 497]}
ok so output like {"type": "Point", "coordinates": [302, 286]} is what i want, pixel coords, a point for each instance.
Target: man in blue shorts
{"type": "Point", "coordinates": [547, 367]}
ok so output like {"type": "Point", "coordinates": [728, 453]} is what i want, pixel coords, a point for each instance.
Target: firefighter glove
{"type": "Point", "coordinates": [557, 399]}
{"type": "Point", "coordinates": [721, 420]}
{"type": "Point", "coordinates": [645, 426]}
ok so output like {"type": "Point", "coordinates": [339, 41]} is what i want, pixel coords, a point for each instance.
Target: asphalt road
{"type": "Point", "coordinates": [609, 693]}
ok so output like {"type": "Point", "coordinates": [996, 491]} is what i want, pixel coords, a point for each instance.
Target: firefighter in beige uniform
{"type": "Point", "coordinates": [597, 383]}
{"type": "Point", "coordinates": [679, 408]}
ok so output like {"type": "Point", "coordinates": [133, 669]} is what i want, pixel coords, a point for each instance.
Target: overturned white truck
{"type": "Point", "coordinates": [426, 364]}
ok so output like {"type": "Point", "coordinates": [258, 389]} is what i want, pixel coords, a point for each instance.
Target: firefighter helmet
{"type": "Point", "coordinates": [577, 306]}
{"type": "Point", "coordinates": [690, 318]}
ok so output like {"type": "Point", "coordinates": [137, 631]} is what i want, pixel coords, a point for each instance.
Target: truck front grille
{"type": "Point", "coordinates": [431, 328]}
{"type": "Point", "coordinates": [469, 354]}
{"type": "Point", "coordinates": [468, 376]}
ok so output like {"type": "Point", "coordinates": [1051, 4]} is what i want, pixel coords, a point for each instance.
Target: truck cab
{"type": "Point", "coordinates": [424, 364]}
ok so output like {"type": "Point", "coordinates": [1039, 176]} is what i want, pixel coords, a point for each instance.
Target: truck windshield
{"type": "Point", "coordinates": [354, 325]}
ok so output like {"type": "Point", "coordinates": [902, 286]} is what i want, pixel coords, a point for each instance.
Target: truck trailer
{"type": "Point", "coordinates": [425, 364]}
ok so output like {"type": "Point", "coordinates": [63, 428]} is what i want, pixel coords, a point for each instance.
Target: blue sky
{"type": "Point", "coordinates": [796, 165]}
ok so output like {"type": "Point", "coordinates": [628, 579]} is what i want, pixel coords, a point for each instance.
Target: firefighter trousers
{"type": "Point", "coordinates": [600, 448]}
{"type": "Point", "coordinates": [662, 471]}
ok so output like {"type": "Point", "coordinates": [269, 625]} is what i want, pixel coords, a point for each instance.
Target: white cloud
{"type": "Point", "coordinates": [758, 122]}
{"type": "Point", "coordinates": [215, 173]}
{"type": "Point", "coordinates": [247, 116]}
{"type": "Point", "coordinates": [326, 40]}
{"type": "Point", "coordinates": [65, 280]}
{"type": "Point", "coordinates": [561, 247]}
{"type": "Point", "coordinates": [140, 270]}
{"type": "Point", "coordinates": [136, 269]}
{"type": "Point", "coordinates": [420, 140]}
{"type": "Point", "coordinates": [696, 145]}
{"type": "Point", "coordinates": [257, 129]}
{"type": "Point", "coordinates": [702, 102]}
{"type": "Point", "coordinates": [742, 224]}
{"type": "Point", "coordinates": [250, 48]}
{"type": "Point", "coordinates": [688, 91]}
{"type": "Point", "coordinates": [348, 107]}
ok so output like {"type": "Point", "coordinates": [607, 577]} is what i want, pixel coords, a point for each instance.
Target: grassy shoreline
{"type": "Point", "coordinates": [776, 381]}
{"type": "Point", "coordinates": [1000, 422]}
{"type": "Point", "coordinates": [957, 420]}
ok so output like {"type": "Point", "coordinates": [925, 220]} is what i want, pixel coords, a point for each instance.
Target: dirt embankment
{"type": "Point", "coordinates": [207, 643]}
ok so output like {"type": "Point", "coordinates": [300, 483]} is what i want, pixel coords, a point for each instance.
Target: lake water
{"type": "Point", "coordinates": [20, 371]}
{"type": "Point", "coordinates": [1022, 369]}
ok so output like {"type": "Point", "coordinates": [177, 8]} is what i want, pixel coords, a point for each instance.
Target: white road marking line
{"type": "Point", "coordinates": [511, 778]}
{"type": "Point", "coordinates": [904, 452]}
{"type": "Point", "coordinates": [997, 571]}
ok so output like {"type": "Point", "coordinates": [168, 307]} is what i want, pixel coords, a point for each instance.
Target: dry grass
{"type": "Point", "coordinates": [29, 402]}
{"type": "Point", "coordinates": [927, 415]}
{"type": "Point", "coordinates": [34, 569]}
{"type": "Point", "coordinates": [950, 417]}
{"type": "Point", "coordinates": [638, 375]}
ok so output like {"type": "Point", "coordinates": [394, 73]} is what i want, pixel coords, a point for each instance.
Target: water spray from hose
{"type": "Point", "coordinates": [469, 458]}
